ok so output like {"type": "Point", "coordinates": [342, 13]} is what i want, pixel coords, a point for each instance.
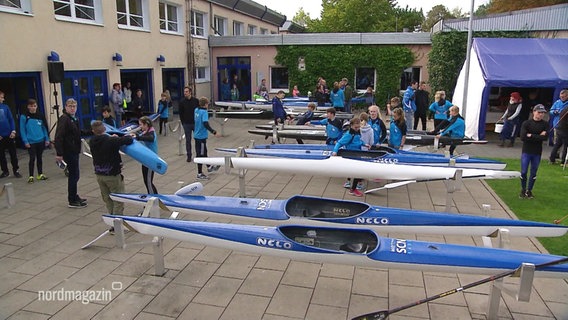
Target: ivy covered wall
{"type": "Point", "coordinates": [340, 61]}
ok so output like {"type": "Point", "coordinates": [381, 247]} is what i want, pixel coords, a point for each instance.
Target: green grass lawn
{"type": "Point", "coordinates": [550, 199]}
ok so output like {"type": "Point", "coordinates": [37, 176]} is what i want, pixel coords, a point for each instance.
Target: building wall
{"type": "Point", "coordinates": [81, 46]}
{"type": "Point", "coordinates": [200, 45]}
{"type": "Point", "coordinates": [262, 59]}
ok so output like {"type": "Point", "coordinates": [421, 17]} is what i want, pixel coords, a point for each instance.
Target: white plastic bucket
{"type": "Point", "coordinates": [498, 127]}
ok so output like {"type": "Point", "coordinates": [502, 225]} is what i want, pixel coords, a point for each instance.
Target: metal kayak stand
{"type": "Point", "coordinates": [242, 172]}
{"type": "Point", "coordinates": [152, 210]}
{"type": "Point", "coordinates": [220, 122]}
{"type": "Point", "coordinates": [452, 185]}
{"type": "Point", "coordinates": [181, 137]}
{"type": "Point", "coordinates": [8, 190]}
{"type": "Point", "coordinates": [521, 291]}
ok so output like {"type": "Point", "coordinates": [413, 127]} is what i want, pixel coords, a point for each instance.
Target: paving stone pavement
{"type": "Point", "coordinates": [40, 241]}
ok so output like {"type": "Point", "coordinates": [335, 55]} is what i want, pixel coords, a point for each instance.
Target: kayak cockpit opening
{"type": "Point", "coordinates": [348, 240]}
{"type": "Point", "coordinates": [360, 154]}
{"type": "Point", "coordinates": [322, 208]}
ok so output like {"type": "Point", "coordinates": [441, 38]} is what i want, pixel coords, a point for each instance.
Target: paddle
{"type": "Point", "coordinates": [557, 221]}
{"type": "Point", "coordinates": [385, 313]}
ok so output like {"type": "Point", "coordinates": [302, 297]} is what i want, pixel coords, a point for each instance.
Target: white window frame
{"type": "Point", "coordinates": [25, 7]}
{"type": "Point", "coordinates": [264, 31]}
{"type": "Point", "coordinates": [220, 24]}
{"type": "Point", "coordinates": [205, 71]}
{"type": "Point", "coordinates": [253, 28]}
{"type": "Point", "coordinates": [179, 22]}
{"type": "Point", "coordinates": [97, 9]}
{"type": "Point", "coordinates": [275, 90]}
{"type": "Point", "coordinates": [238, 28]}
{"type": "Point", "coordinates": [144, 4]}
{"type": "Point", "coordinates": [203, 27]}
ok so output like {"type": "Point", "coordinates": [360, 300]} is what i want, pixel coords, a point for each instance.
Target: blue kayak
{"type": "Point", "coordinates": [317, 211]}
{"type": "Point", "coordinates": [385, 155]}
{"type": "Point", "coordinates": [360, 247]}
{"type": "Point", "coordinates": [138, 151]}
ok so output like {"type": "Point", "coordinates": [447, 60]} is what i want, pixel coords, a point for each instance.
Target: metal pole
{"type": "Point", "coordinates": [467, 58]}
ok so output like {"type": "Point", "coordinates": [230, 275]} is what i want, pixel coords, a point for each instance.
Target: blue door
{"type": "Point", "coordinates": [90, 89]}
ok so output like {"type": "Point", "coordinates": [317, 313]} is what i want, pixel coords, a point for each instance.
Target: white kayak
{"type": "Point", "coordinates": [343, 168]}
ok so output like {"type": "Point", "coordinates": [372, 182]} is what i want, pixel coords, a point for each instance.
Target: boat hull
{"type": "Point", "coordinates": [343, 246]}
{"type": "Point", "coordinates": [315, 211]}
{"type": "Point", "coordinates": [318, 135]}
{"type": "Point", "coordinates": [420, 159]}
{"type": "Point", "coordinates": [342, 168]}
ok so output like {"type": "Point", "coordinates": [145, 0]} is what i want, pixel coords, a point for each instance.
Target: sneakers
{"type": "Point", "coordinates": [82, 200]}
{"type": "Point", "coordinates": [4, 174]}
{"type": "Point", "coordinates": [17, 174]}
{"type": "Point", "coordinates": [41, 177]}
{"type": "Point", "coordinates": [359, 186]}
{"type": "Point", "coordinates": [356, 193]}
{"type": "Point", "coordinates": [529, 194]}
{"type": "Point", "coordinates": [213, 168]}
{"type": "Point", "coordinates": [77, 204]}
{"type": "Point", "coordinates": [201, 176]}
{"type": "Point", "coordinates": [31, 179]}
{"type": "Point", "coordinates": [347, 184]}
{"type": "Point", "coordinates": [523, 194]}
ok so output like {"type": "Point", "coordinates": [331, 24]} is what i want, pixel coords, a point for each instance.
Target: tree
{"type": "Point", "coordinates": [498, 6]}
{"type": "Point", "coordinates": [301, 17]}
{"type": "Point", "coordinates": [410, 19]}
{"type": "Point", "coordinates": [436, 14]}
{"type": "Point", "coordinates": [353, 16]}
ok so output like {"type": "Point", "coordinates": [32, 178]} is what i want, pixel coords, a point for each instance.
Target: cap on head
{"type": "Point", "coordinates": [516, 96]}
{"type": "Point", "coordinates": [539, 108]}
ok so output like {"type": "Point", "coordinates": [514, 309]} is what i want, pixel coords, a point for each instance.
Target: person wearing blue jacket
{"type": "Point", "coordinates": [559, 136]}
{"type": "Point", "coordinates": [440, 108]}
{"type": "Point", "coordinates": [333, 126]}
{"type": "Point", "coordinates": [278, 108]}
{"type": "Point", "coordinates": [337, 96]}
{"type": "Point", "coordinates": [150, 139]}
{"type": "Point", "coordinates": [351, 140]}
{"type": "Point", "coordinates": [33, 131]}
{"type": "Point", "coordinates": [7, 140]}
{"type": "Point", "coordinates": [163, 111]}
{"type": "Point", "coordinates": [200, 134]}
{"type": "Point", "coordinates": [397, 127]}
{"type": "Point", "coordinates": [409, 104]}
{"type": "Point", "coordinates": [455, 129]}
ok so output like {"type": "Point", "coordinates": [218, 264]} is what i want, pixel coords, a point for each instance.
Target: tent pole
{"type": "Point", "coordinates": [467, 58]}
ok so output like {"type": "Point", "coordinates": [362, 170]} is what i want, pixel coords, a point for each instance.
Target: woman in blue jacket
{"type": "Point", "coordinates": [351, 140]}
{"type": "Point", "coordinates": [440, 108]}
{"type": "Point", "coordinates": [337, 96]}
{"type": "Point", "coordinates": [33, 130]}
{"type": "Point", "coordinates": [455, 129]}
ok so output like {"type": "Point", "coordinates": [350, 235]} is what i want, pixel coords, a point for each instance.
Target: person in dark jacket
{"type": "Point", "coordinates": [108, 164]}
{"type": "Point", "coordinates": [187, 107]}
{"type": "Point", "coordinates": [68, 148]}
{"type": "Point", "coordinates": [7, 140]}
{"type": "Point", "coordinates": [422, 100]}
{"type": "Point", "coordinates": [35, 137]}
{"type": "Point", "coordinates": [533, 133]}
{"type": "Point", "coordinates": [278, 108]}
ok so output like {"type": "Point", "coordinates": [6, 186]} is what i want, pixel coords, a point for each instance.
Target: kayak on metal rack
{"type": "Point", "coordinates": [383, 156]}
{"type": "Point", "coordinates": [359, 247]}
{"type": "Point", "coordinates": [307, 210]}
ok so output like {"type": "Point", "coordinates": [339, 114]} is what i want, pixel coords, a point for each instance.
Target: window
{"type": "Point", "coordinates": [251, 29]}
{"type": "Point", "coordinates": [16, 6]}
{"type": "Point", "coordinates": [238, 28]}
{"type": "Point", "coordinates": [364, 77]}
{"type": "Point", "coordinates": [408, 75]}
{"type": "Point", "coordinates": [169, 17]}
{"type": "Point", "coordinates": [220, 25]}
{"type": "Point", "coordinates": [78, 10]}
{"type": "Point", "coordinates": [279, 79]}
{"type": "Point", "coordinates": [132, 13]}
{"type": "Point", "coordinates": [201, 74]}
{"type": "Point", "coordinates": [198, 24]}
{"type": "Point", "coordinates": [263, 31]}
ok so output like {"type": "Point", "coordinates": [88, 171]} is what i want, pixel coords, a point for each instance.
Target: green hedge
{"type": "Point", "coordinates": [336, 62]}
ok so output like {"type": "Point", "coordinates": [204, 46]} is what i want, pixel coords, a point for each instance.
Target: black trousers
{"type": "Point", "coordinates": [8, 144]}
